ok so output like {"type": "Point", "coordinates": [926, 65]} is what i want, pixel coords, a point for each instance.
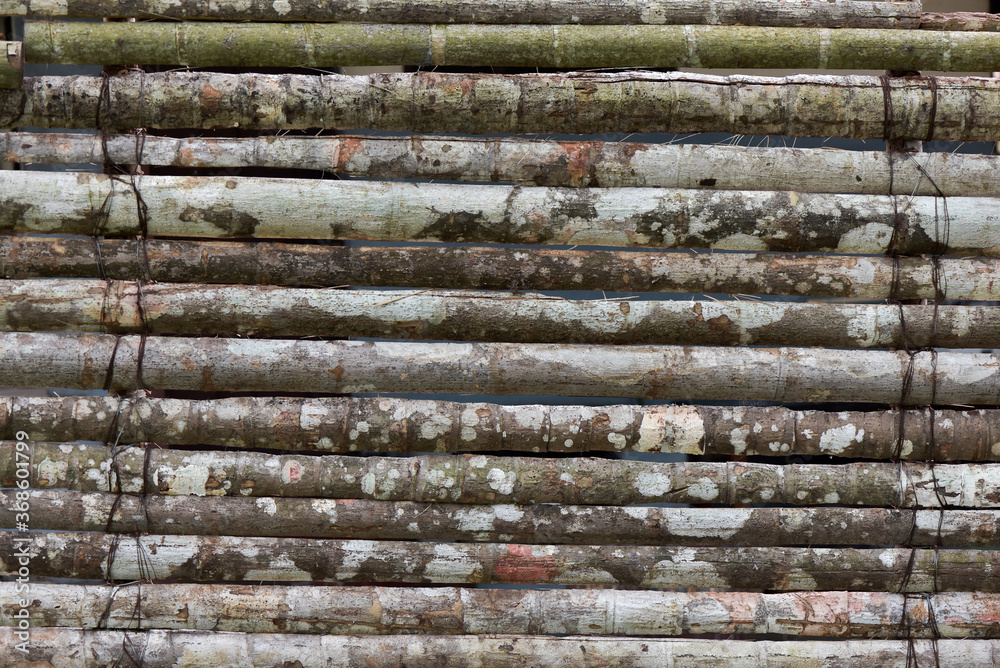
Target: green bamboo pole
{"type": "Point", "coordinates": [64, 510]}
{"type": "Point", "coordinates": [270, 311]}
{"type": "Point", "coordinates": [338, 425]}
{"type": "Point", "coordinates": [869, 278]}
{"type": "Point", "coordinates": [90, 361]}
{"type": "Point", "coordinates": [207, 44]}
{"type": "Point", "coordinates": [831, 13]}
{"type": "Point", "coordinates": [536, 162]}
{"type": "Point", "coordinates": [591, 102]}
{"type": "Point", "coordinates": [12, 65]}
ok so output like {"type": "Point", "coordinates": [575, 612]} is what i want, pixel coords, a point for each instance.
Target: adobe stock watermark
{"type": "Point", "coordinates": [22, 545]}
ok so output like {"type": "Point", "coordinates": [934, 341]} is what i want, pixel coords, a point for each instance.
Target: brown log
{"type": "Point", "coordinates": [980, 21]}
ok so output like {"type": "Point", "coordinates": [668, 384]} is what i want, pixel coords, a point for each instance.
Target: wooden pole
{"type": "Point", "coordinates": [160, 649]}
{"type": "Point", "coordinates": [217, 44]}
{"type": "Point", "coordinates": [63, 510]}
{"type": "Point", "coordinates": [91, 361]}
{"type": "Point", "coordinates": [268, 311]}
{"type": "Point", "coordinates": [588, 102]}
{"type": "Point", "coordinates": [833, 13]}
{"type": "Point", "coordinates": [183, 261]}
{"type": "Point", "coordinates": [250, 560]}
{"type": "Point", "coordinates": [386, 424]}
{"type": "Point", "coordinates": [960, 21]}
{"type": "Point", "coordinates": [485, 479]}
{"type": "Point", "coordinates": [12, 65]}
{"type": "Point", "coordinates": [386, 610]}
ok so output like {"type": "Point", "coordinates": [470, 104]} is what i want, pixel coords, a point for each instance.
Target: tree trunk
{"type": "Point", "coordinates": [580, 103]}
{"type": "Point", "coordinates": [214, 44]}
{"type": "Point", "coordinates": [536, 162]}
{"type": "Point", "coordinates": [833, 13]}
{"type": "Point", "coordinates": [61, 510]}
{"type": "Point", "coordinates": [92, 361]}
{"type": "Point", "coordinates": [493, 268]}
{"type": "Point", "coordinates": [446, 610]}
{"type": "Point", "coordinates": [249, 559]}
{"type": "Point", "coordinates": [960, 21]}
{"type": "Point", "coordinates": [173, 649]}
{"type": "Point", "coordinates": [220, 207]}
{"type": "Point", "coordinates": [267, 311]}
{"type": "Point", "coordinates": [482, 479]}
{"type": "Point", "coordinates": [11, 65]}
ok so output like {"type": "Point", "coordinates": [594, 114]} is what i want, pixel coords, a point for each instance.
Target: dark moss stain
{"type": "Point", "coordinates": [231, 223]}
{"type": "Point", "coordinates": [466, 226]}
{"type": "Point", "coordinates": [13, 214]}
{"type": "Point", "coordinates": [708, 183]}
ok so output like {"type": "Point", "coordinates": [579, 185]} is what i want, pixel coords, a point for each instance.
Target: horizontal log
{"type": "Point", "coordinates": [588, 102]}
{"type": "Point", "coordinates": [493, 268]}
{"type": "Point", "coordinates": [225, 207]}
{"type": "Point", "coordinates": [960, 21]}
{"type": "Point", "coordinates": [401, 425]}
{"type": "Point", "coordinates": [218, 44]}
{"type": "Point", "coordinates": [11, 64]}
{"type": "Point", "coordinates": [63, 510]}
{"type": "Point", "coordinates": [92, 361]}
{"type": "Point", "coordinates": [537, 162]}
{"type": "Point", "coordinates": [832, 14]}
{"type": "Point", "coordinates": [170, 649]}
{"type": "Point", "coordinates": [449, 610]}
{"type": "Point", "coordinates": [482, 479]}
{"type": "Point", "coordinates": [268, 311]}
{"type": "Point", "coordinates": [249, 559]}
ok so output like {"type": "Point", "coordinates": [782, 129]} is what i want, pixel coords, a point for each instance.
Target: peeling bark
{"type": "Point", "coordinates": [484, 479]}
{"type": "Point", "coordinates": [486, 268]}
{"type": "Point", "coordinates": [579, 103]}
{"type": "Point", "coordinates": [61, 510]}
{"type": "Point", "coordinates": [265, 311]}
{"type": "Point", "coordinates": [536, 162]}
{"type": "Point", "coordinates": [11, 64]}
{"type": "Point", "coordinates": [249, 559]}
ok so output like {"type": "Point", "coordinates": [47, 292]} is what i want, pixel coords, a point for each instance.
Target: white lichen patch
{"type": "Point", "coordinates": [738, 439]}
{"type": "Point", "coordinates": [51, 473]}
{"type": "Point", "coordinates": [508, 512]}
{"type": "Point", "coordinates": [326, 507]}
{"type": "Point", "coordinates": [679, 428]}
{"type": "Point", "coordinates": [652, 484]}
{"type": "Point", "coordinates": [267, 504]}
{"type": "Point", "coordinates": [450, 565]}
{"type": "Point", "coordinates": [706, 523]}
{"type": "Point", "coordinates": [186, 480]}
{"type": "Point", "coordinates": [637, 512]}
{"type": "Point", "coordinates": [835, 441]}
{"type": "Point", "coordinates": [368, 483]}
{"type": "Point", "coordinates": [617, 440]}
{"type": "Point", "coordinates": [704, 489]}
{"type": "Point", "coordinates": [500, 481]}
{"type": "Point", "coordinates": [438, 478]}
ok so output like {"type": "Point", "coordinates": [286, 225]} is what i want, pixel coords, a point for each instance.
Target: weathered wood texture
{"type": "Point", "coordinates": [400, 425]}
{"type": "Point", "coordinates": [446, 610]}
{"type": "Point", "coordinates": [253, 559]}
{"type": "Point", "coordinates": [960, 21]}
{"type": "Point", "coordinates": [313, 265]}
{"type": "Point", "coordinates": [92, 361]}
{"type": "Point", "coordinates": [267, 311]}
{"type": "Point", "coordinates": [541, 162]}
{"type": "Point", "coordinates": [482, 479]}
{"type": "Point", "coordinates": [255, 44]}
{"type": "Point", "coordinates": [747, 220]}
{"type": "Point", "coordinates": [832, 13]}
{"type": "Point", "coordinates": [587, 102]}
{"type": "Point", "coordinates": [11, 64]}
{"type": "Point", "coordinates": [62, 510]}
{"type": "Point", "coordinates": [174, 649]}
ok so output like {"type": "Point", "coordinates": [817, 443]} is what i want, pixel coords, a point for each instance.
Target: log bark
{"type": "Point", "coordinates": [225, 207]}
{"type": "Point", "coordinates": [92, 361]}
{"type": "Point", "coordinates": [62, 510]}
{"type": "Point", "coordinates": [482, 479]}
{"type": "Point", "coordinates": [266, 311]}
{"type": "Point", "coordinates": [632, 102]}
{"type": "Point", "coordinates": [11, 64]}
{"type": "Point", "coordinates": [536, 162]}
{"type": "Point", "coordinates": [960, 21]}
{"type": "Point", "coordinates": [449, 610]}
{"type": "Point", "coordinates": [170, 649]}
{"type": "Point", "coordinates": [404, 425]}
{"type": "Point", "coordinates": [832, 14]}
{"type": "Point", "coordinates": [217, 44]}
{"type": "Point", "coordinates": [313, 265]}
{"type": "Point", "coordinates": [248, 559]}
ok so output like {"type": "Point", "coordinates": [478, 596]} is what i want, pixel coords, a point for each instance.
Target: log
{"type": "Point", "coordinates": [267, 311]}
{"type": "Point", "coordinates": [483, 479]}
{"type": "Point", "coordinates": [63, 510]}
{"type": "Point", "coordinates": [126, 363]}
{"type": "Point", "coordinates": [250, 559]}
{"type": "Point", "coordinates": [169, 649]}
{"type": "Point", "coordinates": [960, 21]}
{"type": "Point", "coordinates": [537, 162]}
{"type": "Point", "coordinates": [404, 425]}
{"type": "Point", "coordinates": [227, 207]}
{"type": "Point", "coordinates": [449, 610]}
{"type": "Point", "coordinates": [12, 65]}
{"type": "Point", "coordinates": [184, 261]}
{"type": "Point", "coordinates": [219, 44]}
{"type": "Point", "coordinates": [832, 14]}
{"type": "Point", "coordinates": [587, 102]}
